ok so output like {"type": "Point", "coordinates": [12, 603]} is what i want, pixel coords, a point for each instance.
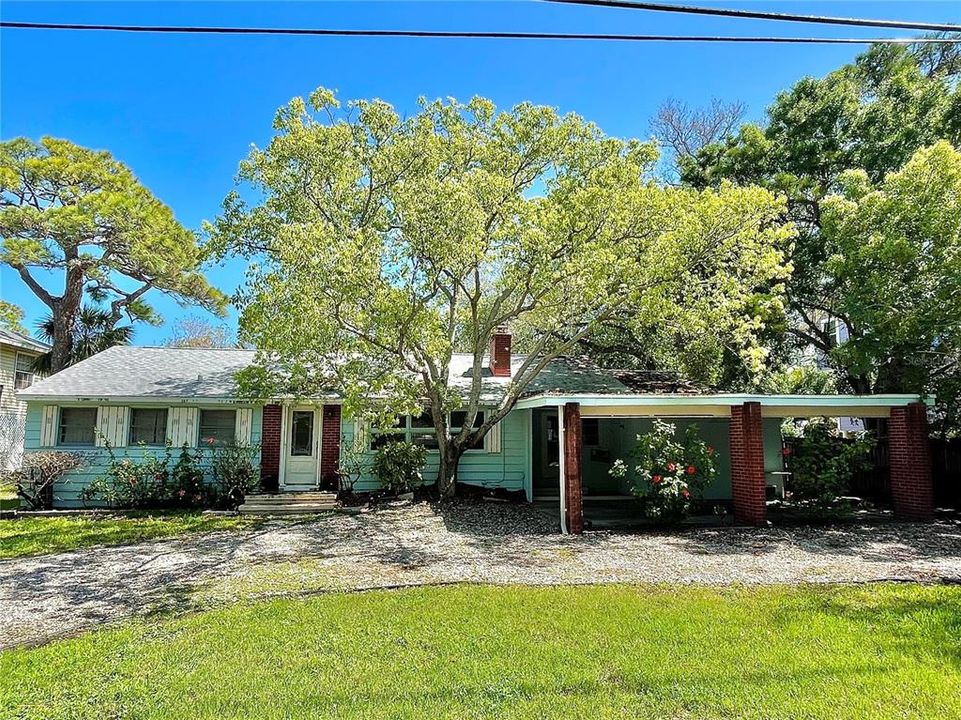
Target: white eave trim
{"type": "Point", "coordinates": [161, 400]}
{"type": "Point", "coordinates": [727, 399]}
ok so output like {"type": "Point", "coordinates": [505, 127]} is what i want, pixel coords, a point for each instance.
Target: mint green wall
{"type": "Point", "coordinates": [620, 435]}
{"type": "Point", "coordinates": [66, 492]}
{"type": "Point", "coordinates": [509, 469]}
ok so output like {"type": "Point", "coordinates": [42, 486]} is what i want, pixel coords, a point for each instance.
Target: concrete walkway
{"type": "Point", "coordinates": [52, 596]}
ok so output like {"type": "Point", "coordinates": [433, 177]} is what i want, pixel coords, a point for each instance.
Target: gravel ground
{"type": "Point", "coordinates": [409, 544]}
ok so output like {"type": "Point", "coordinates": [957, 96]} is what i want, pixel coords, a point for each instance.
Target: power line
{"type": "Point", "coordinates": [496, 35]}
{"type": "Point", "coordinates": [764, 15]}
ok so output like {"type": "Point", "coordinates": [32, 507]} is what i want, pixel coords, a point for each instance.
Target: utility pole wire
{"type": "Point", "coordinates": [325, 32]}
{"type": "Point", "coordinates": [764, 15]}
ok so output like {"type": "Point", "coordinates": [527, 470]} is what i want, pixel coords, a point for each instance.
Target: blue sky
{"type": "Point", "coordinates": [182, 111]}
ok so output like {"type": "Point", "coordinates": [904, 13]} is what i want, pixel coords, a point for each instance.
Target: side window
{"type": "Point", "coordinates": [148, 426]}
{"type": "Point", "coordinates": [24, 375]}
{"type": "Point", "coordinates": [457, 419]}
{"type": "Point", "coordinates": [218, 427]}
{"type": "Point", "coordinates": [77, 426]}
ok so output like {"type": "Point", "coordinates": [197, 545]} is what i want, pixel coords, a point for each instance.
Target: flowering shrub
{"type": "Point", "coordinates": [399, 466]}
{"type": "Point", "coordinates": [129, 483]}
{"type": "Point", "coordinates": [666, 474]}
{"type": "Point", "coordinates": [187, 485]}
{"type": "Point", "coordinates": [35, 478]}
{"type": "Point", "coordinates": [151, 483]}
{"type": "Point", "coordinates": [822, 464]}
{"type": "Point", "coordinates": [235, 471]}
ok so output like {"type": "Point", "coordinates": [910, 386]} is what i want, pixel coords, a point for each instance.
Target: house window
{"type": "Point", "coordinates": [457, 419]}
{"type": "Point", "coordinates": [77, 426]}
{"type": "Point", "coordinates": [24, 376]}
{"type": "Point", "coordinates": [419, 429]}
{"type": "Point", "coordinates": [590, 432]}
{"type": "Point", "coordinates": [148, 426]}
{"type": "Point", "coordinates": [218, 427]}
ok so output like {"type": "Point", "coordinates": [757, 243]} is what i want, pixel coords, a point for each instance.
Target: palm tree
{"type": "Point", "coordinates": [92, 332]}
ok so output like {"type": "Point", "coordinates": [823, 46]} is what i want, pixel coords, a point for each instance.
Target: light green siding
{"type": "Point", "coordinates": [618, 435]}
{"type": "Point", "coordinates": [67, 491]}
{"type": "Point", "coordinates": [508, 469]}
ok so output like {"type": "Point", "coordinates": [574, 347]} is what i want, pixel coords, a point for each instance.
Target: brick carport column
{"type": "Point", "coordinates": [912, 491]}
{"type": "Point", "coordinates": [747, 464]}
{"type": "Point", "coordinates": [572, 469]}
{"type": "Point", "coordinates": [270, 448]}
{"type": "Point", "coordinates": [330, 448]}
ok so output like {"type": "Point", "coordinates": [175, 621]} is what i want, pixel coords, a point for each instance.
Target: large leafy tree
{"type": "Point", "coordinates": [11, 317]}
{"type": "Point", "coordinates": [81, 221]}
{"type": "Point", "coordinates": [894, 253]}
{"type": "Point", "coordinates": [385, 244]}
{"type": "Point", "coordinates": [870, 117]}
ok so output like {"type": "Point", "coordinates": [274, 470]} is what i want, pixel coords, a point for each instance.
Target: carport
{"type": "Point", "coordinates": [748, 420]}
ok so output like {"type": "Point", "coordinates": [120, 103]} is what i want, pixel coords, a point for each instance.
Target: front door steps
{"type": "Point", "coordinates": [289, 503]}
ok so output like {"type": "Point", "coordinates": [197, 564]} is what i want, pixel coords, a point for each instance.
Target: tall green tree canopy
{"type": "Point", "coordinates": [869, 117]}
{"type": "Point", "coordinates": [86, 217]}
{"type": "Point", "coordinates": [11, 317]}
{"type": "Point", "coordinates": [894, 253]}
{"type": "Point", "coordinates": [386, 244]}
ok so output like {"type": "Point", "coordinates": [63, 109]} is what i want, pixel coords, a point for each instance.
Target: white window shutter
{"type": "Point", "coordinates": [182, 426]}
{"type": "Point", "coordinates": [112, 426]}
{"type": "Point", "coordinates": [492, 441]}
{"type": "Point", "coordinates": [361, 433]}
{"type": "Point", "coordinates": [245, 417]}
{"type": "Point", "coordinates": [48, 426]}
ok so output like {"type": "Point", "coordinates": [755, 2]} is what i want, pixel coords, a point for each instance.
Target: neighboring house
{"type": "Point", "coordinates": [557, 443]}
{"type": "Point", "coordinates": [17, 355]}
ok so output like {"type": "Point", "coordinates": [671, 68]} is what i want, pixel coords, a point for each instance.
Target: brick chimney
{"type": "Point", "coordinates": [500, 353]}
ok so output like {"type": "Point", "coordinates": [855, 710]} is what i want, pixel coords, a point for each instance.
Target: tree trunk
{"type": "Point", "coordinates": [64, 319]}
{"type": "Point", "coordinates": [447, 472]}
{"type": "Point", "coordinates": [64, 312]}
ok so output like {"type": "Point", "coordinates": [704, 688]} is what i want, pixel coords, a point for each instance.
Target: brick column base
{"type": "Point", "coordinates": [912, 491]}
{"type": "Point", "coordinates": [747, 464]}
{"type": "Point", "coordinates": [573, 489]}
{"type": "Point", "coordinates": [330, 448]}
{"type": "Point", "coordinates": [270, 448]}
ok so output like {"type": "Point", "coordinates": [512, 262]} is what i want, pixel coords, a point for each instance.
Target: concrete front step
{"type": "Point", "coordinates": [289, 503]}
{"type": "Point", "coordinates": [284, 509]}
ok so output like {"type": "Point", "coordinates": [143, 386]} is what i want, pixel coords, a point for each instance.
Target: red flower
{"type": "Point", "coordinates": [656, 479]}
{"type": "Point", "coordinates": [786, 451]}
{"type": "Point", "coordinates": [691, 470]}
{"type": "Point", "coordinates": [710, 450]}
{"type": "Point", "coordinates": [211, 440]}
{"type": "Point", "coordinates": [671, 467]}
{"type": "Point", "coordinates": [685, 492]}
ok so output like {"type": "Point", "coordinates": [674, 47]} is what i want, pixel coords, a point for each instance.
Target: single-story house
{"type": "Point", "coordinates": [557, 443]}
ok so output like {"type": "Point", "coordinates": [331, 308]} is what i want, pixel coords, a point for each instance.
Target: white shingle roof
{"type": "Point", "coordinates": [9, 337]}
{"type": "Point", "coordinates": [124, 372]}
{"type": "Point", "coordinates": [148, 372]}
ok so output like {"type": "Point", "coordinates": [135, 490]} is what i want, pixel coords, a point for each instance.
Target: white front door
{"type": "Point", "coordinates": [302, 449]}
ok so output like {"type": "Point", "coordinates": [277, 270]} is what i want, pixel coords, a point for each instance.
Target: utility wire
{"type": "Point", "coordinates": [764, 15]}
{"type": "Point", "coordinates": [474, 34]}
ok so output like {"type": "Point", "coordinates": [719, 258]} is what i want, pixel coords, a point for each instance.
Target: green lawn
{"type": "Point", "coordinates": [8, 497]}
{"type": "Point", "coordinates": [44, 535]}
{"type": "Point", "coordinates": [516, 652]}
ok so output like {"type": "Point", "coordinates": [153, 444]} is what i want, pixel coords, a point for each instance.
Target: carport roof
{"type": "Point", "coordinates": [719, 404]}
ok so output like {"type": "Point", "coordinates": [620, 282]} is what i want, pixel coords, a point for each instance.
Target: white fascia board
{"type": "Point", "coordinates": [729, 399]}
{"type": "Point", "coordinates": [160, 400]}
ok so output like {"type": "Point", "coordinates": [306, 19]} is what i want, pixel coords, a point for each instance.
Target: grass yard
{"type": "Point", "coordinates": [517, 652]}
{"type": "Point", "coordinates": [8, 497]}
{"type": "Point", "coordinates": [45, 535]}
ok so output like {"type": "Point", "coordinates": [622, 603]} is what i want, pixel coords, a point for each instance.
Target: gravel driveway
{"type": "Point", "coordinates": [56, 595]}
